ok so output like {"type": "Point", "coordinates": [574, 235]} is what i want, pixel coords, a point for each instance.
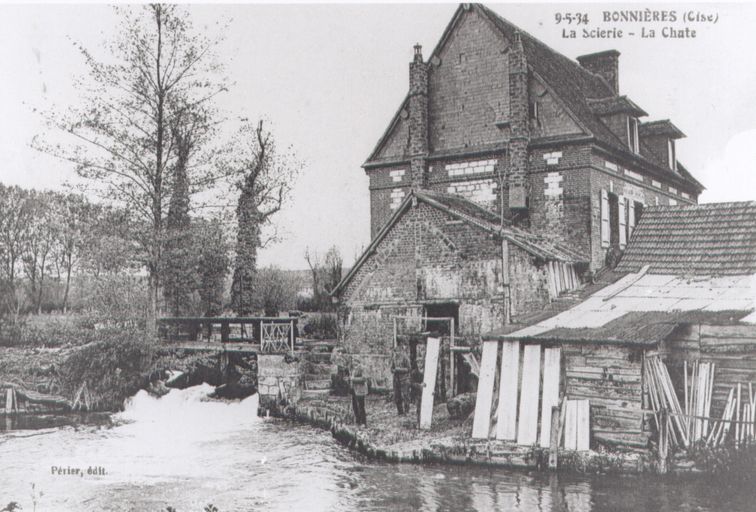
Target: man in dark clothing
{"type": "Point", "coordinates": [400, 367]}
{"type": "Point", "coordinates": [359, 392]}
{"type": "Point", "coordinates": [417, 390]}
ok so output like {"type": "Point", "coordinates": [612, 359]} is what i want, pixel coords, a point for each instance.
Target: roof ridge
{"type": "Point", "coordinates": [576, 65]}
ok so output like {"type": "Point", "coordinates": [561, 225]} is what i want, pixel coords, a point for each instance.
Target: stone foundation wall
{"type": "Point", "coordinates": [279, 377]}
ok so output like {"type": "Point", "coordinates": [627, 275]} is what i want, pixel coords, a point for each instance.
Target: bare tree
{"type": "Point", "coordinates": [72, 217]}
{"type": "Point", "coordinates": [326, 274]}
{"type": "Point", "coordinates": [15, 215]}
{"type": "Point", "coordinates": [125, 139]}
{"type": "Point", "coordinates": [40, 237]}
{"type": "Point", "coordinates": [268, 179]}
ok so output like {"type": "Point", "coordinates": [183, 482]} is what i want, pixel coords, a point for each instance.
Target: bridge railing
{"type": "Point", "coordinates": [276, 337]}
{"type": "Point", "coordinates": [273, 334]}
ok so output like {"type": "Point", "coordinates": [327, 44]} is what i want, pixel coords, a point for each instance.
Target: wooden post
{"type": "Point", "coordinates": [555, 434]}
{"type": "Point", "coordinates": [291, 335]}
{"type": "Point", "coordinates": [505, 279]}
{"type": "Point", "coordinates": [452, 357]}
{"type": "Point", "coordinates": [663, 440]}
{"type": "Point", "coordinates": [9, 401]}
{"type": "Point", "coordinates": [395, 343]}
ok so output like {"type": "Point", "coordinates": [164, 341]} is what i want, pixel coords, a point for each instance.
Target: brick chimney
{"type": "Point", "coordinates": [418, 119]}
{"type": "Point", "coordinates": [517, 176]}
{"type": "Point", "coordinates": [604, 64]}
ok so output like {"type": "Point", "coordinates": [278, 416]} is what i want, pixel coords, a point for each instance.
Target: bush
{"type": "Point", "coordinates": [52, 333]}
{"type": "Point", "coordinates": [319, 325]}
{"type": "Point", "coordinates": [114, 368]}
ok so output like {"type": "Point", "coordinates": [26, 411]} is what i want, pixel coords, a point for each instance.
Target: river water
{"type": "Point", "coordinates": [186, 451]}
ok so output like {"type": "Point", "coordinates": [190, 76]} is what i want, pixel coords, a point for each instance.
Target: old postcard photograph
{"type": "Point", "coordinates": [377, 257]}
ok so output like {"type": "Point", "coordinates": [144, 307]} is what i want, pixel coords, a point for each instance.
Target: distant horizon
{"type": "Point", "coordinates": [338, 73]}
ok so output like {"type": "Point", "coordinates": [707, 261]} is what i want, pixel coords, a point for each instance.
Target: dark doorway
{"type": "Point", "coordinates": [442, 328]}
{"type": "Point", "coordinates": [444, 310]}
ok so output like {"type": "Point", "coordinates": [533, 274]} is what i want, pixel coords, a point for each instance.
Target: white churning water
{"type": "Point", "coordinates": [187, 451]}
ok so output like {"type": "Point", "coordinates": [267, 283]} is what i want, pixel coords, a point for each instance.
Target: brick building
{"type": "Point", "coordinates": [502, 141]}
{"type": "Point", "coordinates": [496, 116]}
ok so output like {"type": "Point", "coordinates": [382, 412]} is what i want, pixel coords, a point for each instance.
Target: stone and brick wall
{"type": "Point", "coordinates": [277, 378]}
{"type": "Point", "coordinates": [429, 257]}
{"type": "Point", "coordinates": [468, 87]}
{"type": "Point", "coordinates": [606, 175]}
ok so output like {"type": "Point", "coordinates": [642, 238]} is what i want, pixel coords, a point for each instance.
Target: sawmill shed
{"type": "Point", "coordinates": [685, 291]}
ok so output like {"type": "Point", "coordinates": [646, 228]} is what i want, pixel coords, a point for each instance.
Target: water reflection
{"type": "Point", "coordinates": [185, 451]}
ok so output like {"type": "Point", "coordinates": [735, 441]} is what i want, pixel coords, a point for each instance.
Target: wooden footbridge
{"type": "Point", "coordinates": [274, 335]}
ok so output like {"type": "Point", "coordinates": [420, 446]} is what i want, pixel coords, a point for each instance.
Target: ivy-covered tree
{"type": "Point", "coordinates": [268, 179]}
{"type": "Point", "coordinates": [124, 139]}
{"type": "Point", "coordinates": [178, 273]}
{"type": "Point", "coordinates": [213, 265]}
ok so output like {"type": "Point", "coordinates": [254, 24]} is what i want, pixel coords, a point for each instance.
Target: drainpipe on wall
{"type": "Point", "coordinates": [505, 280]}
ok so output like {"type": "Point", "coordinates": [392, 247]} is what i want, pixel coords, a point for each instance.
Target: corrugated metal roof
{"type": "Point", "coordinates": [706, 239]}
{"type": "Point", "coordinates": [644, 308]}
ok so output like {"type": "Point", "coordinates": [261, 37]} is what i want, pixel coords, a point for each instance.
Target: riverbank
{"type": "Point", "coordinates": [391, 438]}
{"type": "Point", "coordinates": [100, 375]}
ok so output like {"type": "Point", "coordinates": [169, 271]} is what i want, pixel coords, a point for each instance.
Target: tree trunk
{"type": "Point", "coordinates": [68, 286]}
{"type": "Point", "coordinates": [41, 283]}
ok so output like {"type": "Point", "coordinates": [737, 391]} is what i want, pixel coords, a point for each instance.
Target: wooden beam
{"type": "Point", "coordinates": [527, 428]}
{"type": "Point", "coordinates": [506, 424]}
{"type": "Point", "coordinates": [484, 396]}
{"type": "Point", "coordinates": [432, 347]}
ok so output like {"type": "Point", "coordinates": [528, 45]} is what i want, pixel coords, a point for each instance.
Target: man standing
{"type": "Point", "coordinates": [417, 390]}
{"type": "Point", "coordinates": [359, 392]}
{"type": "Point", "coordinates": [400, 367]}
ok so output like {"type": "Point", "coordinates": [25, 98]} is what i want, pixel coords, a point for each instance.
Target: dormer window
{"type": "Point", "coordinates": [632, 134]}
{"type": "Point", "coordinates": [671, 156]}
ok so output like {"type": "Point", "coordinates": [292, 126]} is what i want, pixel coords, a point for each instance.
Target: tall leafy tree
{"type": "Point", "coordinates": [268, 177]}
{"type": "Point", "coordinates": [178, 268]}
{"type": "Point", "coordinates": [40, 237]}
{"type": "Point", "coordinates": [15, 216]}
{"type": "Point", "coordinates": [73, 215]}
{"type": "Point", "coordinates": [212, 266]}
{"type": "Point", "coordinates": [124, 141]}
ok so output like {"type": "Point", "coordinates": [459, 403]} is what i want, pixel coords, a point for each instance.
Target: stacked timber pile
{"type": "Point", "coordinates": [691, 422]}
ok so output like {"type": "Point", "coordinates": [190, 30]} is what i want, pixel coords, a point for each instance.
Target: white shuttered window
{"type": "Point", "coordinates": [622, 221]}
{"type": "Point", "coordinates": [630, 219]}
{"type": "Point", "coordinates": [605, 219]}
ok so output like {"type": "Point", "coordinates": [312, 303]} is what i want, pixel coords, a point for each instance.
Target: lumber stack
{"type": "Point", "coordinates": [738, 417]}
{"type": "Point", "coordinates": [698, 392]}
{"type": "Point", "coordinates": [662, 396]}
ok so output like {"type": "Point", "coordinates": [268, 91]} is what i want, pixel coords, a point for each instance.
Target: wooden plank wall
{"type": "Point", "coordinates": [506, 425]}
{"type": "Point", "coordinates": [609, 376]}
{"type": "Point", "coordinates": [527, 424]}
{"type": "Point", "coordinates": [561, 277]}
{"type": "Point", "coordinates": [429, 382]}
{"type": "Point", "coordinates": [484, 396]}
{"type": "Point", "coordinates": [732, 348]}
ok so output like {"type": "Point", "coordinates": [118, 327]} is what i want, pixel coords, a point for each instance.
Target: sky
{"type": "Point", "coordinates": [330, 77]}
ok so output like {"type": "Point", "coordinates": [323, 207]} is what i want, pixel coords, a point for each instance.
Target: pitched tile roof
{"type": "Point", "coordinates": [705, 239]}
{"type": "Point", "coordinates": [476, 216]}
{"type": "Point", "coordinates": [614, 105]}
{"type": "Point", "coordinates": [573, 84]}
{"type": "Point", "coordinates": [661, 127]}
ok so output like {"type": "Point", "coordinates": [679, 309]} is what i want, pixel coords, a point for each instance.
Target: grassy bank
{"type": "Point", "coordinates": [93, 366]}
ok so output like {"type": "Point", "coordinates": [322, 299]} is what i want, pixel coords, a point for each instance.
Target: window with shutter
{"type": "Point", "coordinates": [604, 218]}
{"type": "Point", "coordinates": [630, 219]}
{"type": "Point", "coordinates": [622, 211]}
